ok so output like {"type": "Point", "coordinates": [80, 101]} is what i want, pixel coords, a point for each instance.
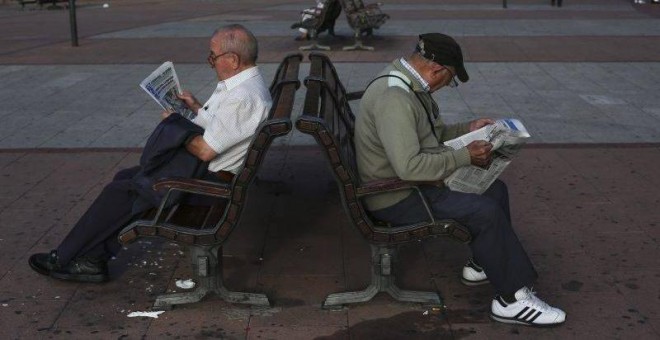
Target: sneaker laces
{"type": "Point", "coordinates": [534, 300]}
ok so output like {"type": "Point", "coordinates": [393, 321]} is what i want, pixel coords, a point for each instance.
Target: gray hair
{"type": "Point", "coordinates": [238, 39]}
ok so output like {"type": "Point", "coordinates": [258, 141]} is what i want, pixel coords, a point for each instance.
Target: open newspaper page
{"type": "Point", "coordinates": [506, 135]}
{"type": "Point", "coordinates": [163, 85]}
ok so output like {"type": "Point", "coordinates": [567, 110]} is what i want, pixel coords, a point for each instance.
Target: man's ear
{"type": "Point", "coordinates": [235, 61]}
{"type": "Point", "coordinates": [436, 70]}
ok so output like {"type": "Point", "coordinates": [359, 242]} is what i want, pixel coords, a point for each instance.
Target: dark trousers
{"type": "Point", "coordinates": [494, 245]}
{"type": "Point", "coordinates": [95, 234]}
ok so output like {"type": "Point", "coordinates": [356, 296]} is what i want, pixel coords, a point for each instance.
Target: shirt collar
{"type": "Point", "coordinates": [409, 68]}
{"type": "Point", "coordinates": [237, 79]}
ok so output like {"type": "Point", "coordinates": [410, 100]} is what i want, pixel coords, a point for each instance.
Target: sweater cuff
{"type": "Point", "coordinates": [461, 157]}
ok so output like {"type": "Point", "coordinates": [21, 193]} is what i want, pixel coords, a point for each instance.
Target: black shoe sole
{"type": "Point", "coordinates": [87, 278]}
{"type": "Point", "coordinates": [518, 322]}
{"type": "Point", "coordinates": [474, 283]}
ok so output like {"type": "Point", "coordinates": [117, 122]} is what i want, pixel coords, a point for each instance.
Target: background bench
{"type": "Point", "coordinates": [204, 228]}
{"type": "Point", "coordinates": [328, 117]}
{"type": "Point", "coordinates": [322, 19]}
{"type": "Point", "coordinates": [362, 19]}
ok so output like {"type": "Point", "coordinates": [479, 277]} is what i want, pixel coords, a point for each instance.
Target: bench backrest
{"type": "Point", "coordinates": [283, 91]}
{"type": "Point", "coordinates": [328, 117]}
{"type": "Point", "coordinates": [212, 224]}
{"type": "Point", "coordinates": [351, 6]}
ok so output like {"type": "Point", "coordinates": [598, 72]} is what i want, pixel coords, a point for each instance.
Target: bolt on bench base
{"type": "Point", "coordinates": [382, 280]}
{"type": "Point", "coordinates": [207, 261]}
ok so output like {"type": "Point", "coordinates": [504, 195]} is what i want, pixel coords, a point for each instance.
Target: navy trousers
{"type": "Point", "coordinates": [494, 245]}
{"type": "Point", "coordinates": [95, 234]}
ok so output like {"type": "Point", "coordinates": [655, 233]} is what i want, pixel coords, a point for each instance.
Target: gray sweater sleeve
{"type": "Point", "coordinates": [401, 127]}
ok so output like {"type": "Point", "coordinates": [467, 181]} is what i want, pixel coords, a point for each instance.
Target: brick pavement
{"type": "Point", "coordinates": [584, 193]}
{"type": "Point", "coordinates": [592, 237]}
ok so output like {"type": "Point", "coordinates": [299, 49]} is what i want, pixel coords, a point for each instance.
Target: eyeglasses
{"type": "Point", "coordinates": [212, 57]}
{"type": "Point", "coordinates": [452, 82]}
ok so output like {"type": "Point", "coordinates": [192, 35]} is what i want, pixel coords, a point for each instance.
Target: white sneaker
{"type": "Point", "coordinates": [527, 310]}
{"type": "Point", "coordinates": [473, 275]}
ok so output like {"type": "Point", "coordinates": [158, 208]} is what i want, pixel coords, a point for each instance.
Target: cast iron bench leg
{"type": "Point", "coordinates": [315, 45]}
{"type": "Point", "coordinates": [358, 44]}
{"type": "Point", "coordinates": [382, 280]}
{"type": "Point", "coordinates": [207, 261]}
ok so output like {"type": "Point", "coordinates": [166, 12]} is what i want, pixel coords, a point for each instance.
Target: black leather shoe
{"type": "Point", "coordinates": [83, 269]}
{"type": "Point", "coordinates": [43, 263]}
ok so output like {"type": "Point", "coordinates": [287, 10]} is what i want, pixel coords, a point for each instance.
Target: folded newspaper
{"type": "Point", "coordinates": [506, 135]}
{"type": "Point", "coordinates": [163, 85]}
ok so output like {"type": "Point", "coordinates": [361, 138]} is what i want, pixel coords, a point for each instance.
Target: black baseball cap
{"type": "Point", "coordinates": [444, 50]}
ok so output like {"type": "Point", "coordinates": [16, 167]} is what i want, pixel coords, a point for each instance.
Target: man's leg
{"type": "Point", "coordinates": [83, 253]}
{"type": "Point", "coordinates": [103, 220]}
{"type": "Point", "coordinates": [494, 245]}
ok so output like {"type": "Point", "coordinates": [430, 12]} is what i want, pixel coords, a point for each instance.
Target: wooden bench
{"type": "Point", "coordinates": [41, 3]}
{"type": "Point", "coordinates": [205, 228]}
{"type": "Point", "coordinates": [362, 18]}
{"type": "Point", "coordinates": [328, 117]}
{"type": "Point", "coordinates": [321, 19]}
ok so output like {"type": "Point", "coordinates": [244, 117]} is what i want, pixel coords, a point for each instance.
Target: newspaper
{"type": "Point", "coordinates": [506, 135]}
{"type": "Point", "coordinates": [163, 85]}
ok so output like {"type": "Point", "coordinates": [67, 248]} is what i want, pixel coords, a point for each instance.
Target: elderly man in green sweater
{"type": "Point", "coordinates": [399, 133]}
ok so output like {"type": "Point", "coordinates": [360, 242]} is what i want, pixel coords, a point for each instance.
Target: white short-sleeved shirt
{"type": "Point", "coordinates": [231, 116]}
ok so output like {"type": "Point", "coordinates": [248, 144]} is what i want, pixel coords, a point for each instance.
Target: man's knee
{"type": "Point", "coordinates": [487, 209]}
{"type": "Point", "coordinates": [488, 216]}
{"type": "Point", "coordinates": [499, 187]}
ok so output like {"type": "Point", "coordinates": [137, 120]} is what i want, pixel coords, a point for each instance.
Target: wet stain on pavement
{"type": "Point", "coordinates": [573, 286]}
{"type": "Point", "coordinates": [632, 286]}
{"type": "Point", "coordinates": [409, 325]}
{"type": "Point", "coordinates": [472, 316]}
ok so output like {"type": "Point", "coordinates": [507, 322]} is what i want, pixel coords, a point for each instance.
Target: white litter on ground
{"type": "Point", "coordinates": [185, 284]}
{"type": "Point", "coordinates": [147, 314]}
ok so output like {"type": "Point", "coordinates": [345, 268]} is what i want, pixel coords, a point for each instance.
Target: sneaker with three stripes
{"type": "Point", "coordinates": [527, 310]}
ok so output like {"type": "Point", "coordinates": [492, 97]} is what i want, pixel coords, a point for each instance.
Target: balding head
{"type": "Point", "coordinates": [238, 39]}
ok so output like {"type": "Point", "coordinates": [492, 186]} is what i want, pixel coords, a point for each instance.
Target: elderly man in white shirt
{"type": "Point", "coordinates": [238, 105]}
{"type": "Point", "coordinates": [240, 102]}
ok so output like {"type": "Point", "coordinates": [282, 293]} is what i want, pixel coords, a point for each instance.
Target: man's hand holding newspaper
{"type": "Point", "coordinates": [163, 86]}
{"type": "Point", "coordinates": [504, 137]}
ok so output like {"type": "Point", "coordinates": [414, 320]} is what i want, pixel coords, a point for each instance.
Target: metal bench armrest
{"type": "Point", "coordinates": [195, 186]}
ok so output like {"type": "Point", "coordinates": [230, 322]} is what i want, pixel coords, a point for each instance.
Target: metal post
{"type": "Point", "coordinates": [503, 3]}
{"type": "Point", "coordinates": [73, 23]}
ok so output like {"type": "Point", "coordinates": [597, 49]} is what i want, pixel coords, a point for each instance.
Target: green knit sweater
{"type": "Point", "coordinates": [393, 136]}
